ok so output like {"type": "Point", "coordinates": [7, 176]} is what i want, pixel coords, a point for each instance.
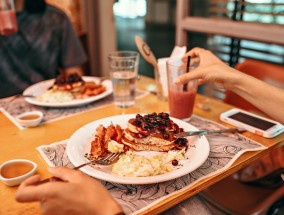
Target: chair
{"type": "Point", "coordinates": [258, 196]}
{"type": "Point", "coordinates": [270, 73]}
{"type": "Point", "coordinates": [230, 195]}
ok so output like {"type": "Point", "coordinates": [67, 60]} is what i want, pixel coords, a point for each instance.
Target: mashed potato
{"type": "Point", "coordinates": [55, 96]}
{"type": "Point", "coordinates": [131, 164]}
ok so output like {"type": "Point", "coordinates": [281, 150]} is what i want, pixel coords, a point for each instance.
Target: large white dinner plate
{"type": "Point", "coordinates": [79, 144]}
{"type": "Point", "coordinates": [41, 87]}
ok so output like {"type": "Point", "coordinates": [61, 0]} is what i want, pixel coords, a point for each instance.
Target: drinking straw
{"type": "Point", "coordinates": [187, 70]}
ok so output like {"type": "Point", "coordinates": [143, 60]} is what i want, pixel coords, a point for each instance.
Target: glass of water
{"type": "Point", "coordinates": [123, 67]}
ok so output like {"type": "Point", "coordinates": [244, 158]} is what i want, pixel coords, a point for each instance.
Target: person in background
{"type": "Point", "coordinates": [78, 193]}
{"type": "Point", "coordinates": [44, 46]}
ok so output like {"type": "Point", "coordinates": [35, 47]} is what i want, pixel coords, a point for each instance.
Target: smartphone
{"type": "Point", "coordinates": [251, 122]}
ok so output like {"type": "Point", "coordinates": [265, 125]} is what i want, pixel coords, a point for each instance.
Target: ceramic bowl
{"type": "Point", "coordinates": [30, 119]}
{"type": "Point", "coordinates": [14, 172]}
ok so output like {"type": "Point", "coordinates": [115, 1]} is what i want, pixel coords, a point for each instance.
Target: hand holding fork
{"type": "Point", "coordinates": [109, 159]}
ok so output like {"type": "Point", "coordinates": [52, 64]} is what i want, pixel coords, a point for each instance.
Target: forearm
{"type": "Point", "coordinates": [267, 98]}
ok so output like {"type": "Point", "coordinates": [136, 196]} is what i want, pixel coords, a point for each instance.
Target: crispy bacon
{"type": "Point", "coordinates": [110, 133]}
{"type": "Point", "coordinates": [119, 133]}
{"type": "Point", "coordinates": [93, 89]}
{"type": "Point", "coordinates": [97, 145]}
{"type": "Point", "coordinates": [102, 137]}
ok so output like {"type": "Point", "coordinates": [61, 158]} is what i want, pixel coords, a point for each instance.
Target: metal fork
{"type": "Point", "coordinates": [204, 132]}
{"type": "Point", "coordinates": [109, 159]}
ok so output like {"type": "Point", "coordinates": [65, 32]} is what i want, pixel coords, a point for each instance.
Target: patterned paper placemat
{"type": "Point", "coordinates": [16, 105]}
{"type": "Point", "coordinates": [224, 150]}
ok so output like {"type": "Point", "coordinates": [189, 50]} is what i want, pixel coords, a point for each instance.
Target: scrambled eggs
{"type": "Point", "coordinates": [131, 164]}
{"type": "Point", "coordinates": [54, 96]}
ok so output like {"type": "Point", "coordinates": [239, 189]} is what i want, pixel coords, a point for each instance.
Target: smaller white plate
{"type": "Point", "coordinates": [79, 144]}
{"type": "Point", "coordinates": [41, 87]}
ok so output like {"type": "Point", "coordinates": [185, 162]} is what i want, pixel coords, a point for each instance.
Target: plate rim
{"type": "Point", "coordinates": [107, 83]}
{"type": "Point", "coordinates": [132, 180]}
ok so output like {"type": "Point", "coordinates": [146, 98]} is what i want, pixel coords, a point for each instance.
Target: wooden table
{"type": "Point", "coordinates": [17, 143]}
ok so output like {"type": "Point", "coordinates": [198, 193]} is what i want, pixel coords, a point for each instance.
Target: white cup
{"type": "Point", "coordinates": [14, 172]}
{"type": "Point", "coordinates": [30, 119]}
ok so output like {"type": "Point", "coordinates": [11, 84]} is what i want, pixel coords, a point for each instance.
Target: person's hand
{"type": "Point", "coordinates": [210, 69]}
{"type": "Point", "coordinates": [77, 193]}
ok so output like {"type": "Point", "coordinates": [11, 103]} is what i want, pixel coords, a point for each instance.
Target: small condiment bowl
{"type": "Point", "coordinates": [30, 119]}
{"type": "Point", "coordinates": [14, 172]}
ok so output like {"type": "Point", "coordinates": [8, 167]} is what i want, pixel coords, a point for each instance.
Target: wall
{"type": "Point", "coordinates": [101, 35]}
{"type": "Point", "coordinates": [160, 12]}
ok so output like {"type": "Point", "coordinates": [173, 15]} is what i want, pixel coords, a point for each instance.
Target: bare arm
{"type": "Point", "coordinates": [267, 98]}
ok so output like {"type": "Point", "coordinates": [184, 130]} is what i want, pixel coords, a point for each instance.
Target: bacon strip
{"type": "Point", "coordinates": [102, 137]}
{"type": "Point", "coordinates": [97, 145]}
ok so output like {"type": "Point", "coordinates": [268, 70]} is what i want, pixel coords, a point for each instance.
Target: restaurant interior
{"type": "Point", "coordinates": [245, 34]}
{"type": "Point", "coordinates": [155, 22]}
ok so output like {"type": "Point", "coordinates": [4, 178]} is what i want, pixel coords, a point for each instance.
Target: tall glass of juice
{"type": "Point", "coordinates": [8, 21]}
{"type": "Point", "coordinates": [123, 67]}
{"type": "Point", "coordinates": [181, 97]}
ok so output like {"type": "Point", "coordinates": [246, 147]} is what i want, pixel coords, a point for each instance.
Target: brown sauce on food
{"type": "Point", "coordinates": [13, 170]}
{"type": "Point", "coordinates": [29, 117]}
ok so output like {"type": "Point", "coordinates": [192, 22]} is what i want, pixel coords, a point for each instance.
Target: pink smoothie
{"type": "Point", "coordinates": [181, 103]}
{"type": "Point", "coordinates": [8, 22]}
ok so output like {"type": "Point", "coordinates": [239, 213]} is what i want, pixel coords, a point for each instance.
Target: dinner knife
{"type": "Point", "coordinates": [204, 132]}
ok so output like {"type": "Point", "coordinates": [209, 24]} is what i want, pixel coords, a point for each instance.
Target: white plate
{"type": "Point", "coordinates": [79, 144]}
{"type": "Point", "coordinates": [41, 87]}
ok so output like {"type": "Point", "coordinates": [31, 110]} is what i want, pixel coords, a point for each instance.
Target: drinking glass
{"type": "Point", "coordinates": [181, 97]}
{"type": "Point", "coordinates": [123, 66]}
{"type": "Point", "coordinates": [8, 21]}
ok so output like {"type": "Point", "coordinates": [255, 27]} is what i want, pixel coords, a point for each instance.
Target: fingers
{"type": "Point", "coordinates": [64, 173]}
{"type": "Point", "coordinates": [200, 82]}
{"type": "Point", "coordinates": [27, 192]}
{"type": "Point", "coordinates": [195, 52]}
{"type": "Point", "coordinates": [182, 79]}
{"type": "Point", "coordinates": [30, 181]}
{"type": "Point", "coordinates": [30, 191]}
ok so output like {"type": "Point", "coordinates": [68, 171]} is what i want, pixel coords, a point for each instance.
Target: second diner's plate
{"type": "Point", "coordinates": [79, 144]}
{"type": "Point", "coordinates": [41, 87]}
